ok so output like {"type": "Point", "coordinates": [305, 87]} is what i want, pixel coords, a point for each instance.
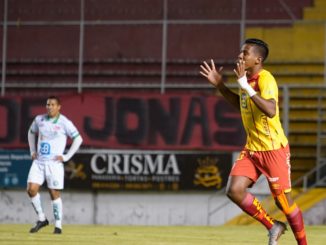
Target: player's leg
{"type": "Point", "coordinates": [34, 181]}
{"type": "Point", "coordinates": [55, 184]}
{"type": "Point", "coordinates": [278, 176]}
{"type": "Point", "coordinates": [35, 197]}
{"type": "Point", "coordinates": [237, 192]}
{"type": "Point", "coordinates": [243, 175]}
{"type": "Point", "coordinates": [293, 214]}
{"type": "Point", "coordinates": [57, 210]}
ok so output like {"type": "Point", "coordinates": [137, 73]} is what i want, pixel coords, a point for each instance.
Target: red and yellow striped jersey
{"type": "Point", "coordinates": [263, 133]}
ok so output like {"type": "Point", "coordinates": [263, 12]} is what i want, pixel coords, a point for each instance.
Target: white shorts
{"type": "Point", "coordinates": [51, 171]}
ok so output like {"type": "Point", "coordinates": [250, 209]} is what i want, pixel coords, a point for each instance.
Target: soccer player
{"type": "Point", "coordinates": [266, 151]}
{"type": "Point", "coordinates": [52, 129]}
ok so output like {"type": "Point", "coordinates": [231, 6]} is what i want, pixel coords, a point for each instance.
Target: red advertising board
{"type": "Point", "coordinates": [174, 121]}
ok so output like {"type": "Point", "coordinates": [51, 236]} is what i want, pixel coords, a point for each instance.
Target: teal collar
{"type": "Point", "coordinates": [55, 120]}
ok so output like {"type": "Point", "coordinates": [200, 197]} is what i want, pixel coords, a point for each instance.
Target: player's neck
{"type": "Point", "coordinates": [53, 117]}
{"type": "Point", "coordinates": [254, 71]}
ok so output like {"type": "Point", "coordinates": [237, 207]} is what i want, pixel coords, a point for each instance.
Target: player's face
{"type": "Point", "coordinates": [249, 55]}
{"type": "Point", "coordinates": [53, 108]}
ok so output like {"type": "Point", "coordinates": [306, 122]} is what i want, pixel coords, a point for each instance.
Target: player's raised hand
{"type": "Point", "coordinates": [210, 72]}
{"type": "Point", "coordinates": [240, 70]}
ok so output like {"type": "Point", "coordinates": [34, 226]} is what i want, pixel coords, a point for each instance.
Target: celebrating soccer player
{"type": "Point", "coordinates": [266, 151]}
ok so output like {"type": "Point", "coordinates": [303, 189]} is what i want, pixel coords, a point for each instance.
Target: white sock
{"type": "Point", "coordinates": [37, 205]}
{"type": "Point", "coordinates": [57, 212]}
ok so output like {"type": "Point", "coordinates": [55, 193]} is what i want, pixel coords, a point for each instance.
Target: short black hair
{"type": "Point", "coordinates": [262, 46]}
{"type": "Point", "coordinates": [53, 97]}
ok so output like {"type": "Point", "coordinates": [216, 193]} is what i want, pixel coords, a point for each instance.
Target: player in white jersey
{"type": "Point", "coordinates": [53, 129]}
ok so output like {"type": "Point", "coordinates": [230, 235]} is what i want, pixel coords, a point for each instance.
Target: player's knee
{"type": "Point", "coordinates": [283, 204]}
{"type": "Point", "coordinates": [234, 193]}
{"type": "Point", "coordinates": [31, 190]}
{"type": "Point", "coordinates": [277, 203]}
{"type": "Point", "coordinates": [230, 190]}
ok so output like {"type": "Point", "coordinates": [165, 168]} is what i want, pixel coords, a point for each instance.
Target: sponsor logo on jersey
{"type": "Point", "coordinates": [273, 179]}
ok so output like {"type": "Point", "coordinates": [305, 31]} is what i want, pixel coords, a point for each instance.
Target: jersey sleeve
{"type": "Point", "coordinates": [71, 130]}
{"type": "Point", "coordinates": [268, 87]}
{"type": "Point", "coordinates": [34, 127]}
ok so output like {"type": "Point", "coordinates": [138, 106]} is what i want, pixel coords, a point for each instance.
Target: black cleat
{"type": "Point", "coordinates": [39, 225]}
{"type": "Point", "coordinates": [57, 230]}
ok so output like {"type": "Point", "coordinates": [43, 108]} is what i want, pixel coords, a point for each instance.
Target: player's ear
{"type": "Point", "coordinates": [259, 60]}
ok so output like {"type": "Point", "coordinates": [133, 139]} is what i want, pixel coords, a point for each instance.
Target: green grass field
{"type": "Point", "coordinates": [152, 235]}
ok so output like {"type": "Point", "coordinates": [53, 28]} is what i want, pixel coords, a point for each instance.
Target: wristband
{"type": "Point", "coordinates": [244, 85]}
{"type": "Point", "coordinates": [243, 82]}
{"type": "Point", "coordinates": [250, 91]}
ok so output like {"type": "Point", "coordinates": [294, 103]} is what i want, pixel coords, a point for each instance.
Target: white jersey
{"type": "Point", "coordinates": [52, 135]}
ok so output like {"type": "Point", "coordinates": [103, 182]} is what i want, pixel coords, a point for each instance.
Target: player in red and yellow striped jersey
{"type": "Point", "coordinates": [264, 133]}
{"type": "Point", "coordinates": [266, 151]}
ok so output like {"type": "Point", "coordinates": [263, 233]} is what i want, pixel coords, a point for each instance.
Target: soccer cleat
{"type": "Point", "coordinates": [276, 232]}
{"type": "Point", "coordinates": [57, 230]}
{"type": "Point", "coordinates": [39, 225]}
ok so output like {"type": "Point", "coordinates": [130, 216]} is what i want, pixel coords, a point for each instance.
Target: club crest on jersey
{"type": "Point", "coordinates": [244, 100]}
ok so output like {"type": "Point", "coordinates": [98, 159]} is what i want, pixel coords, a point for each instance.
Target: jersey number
{"type": "Point", "coordinates": [45, 149]}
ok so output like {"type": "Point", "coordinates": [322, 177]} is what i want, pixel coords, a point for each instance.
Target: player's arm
{"type": "Point", "coordinates": [231, 97]}
{"type": "Point", "coordinates": [268, 107]}
{"type": "Point", "coordinates": [215, 78]}
{"type": "Point", "coordinates": [77, 141]}
{"type": "Point", "coordinates": [32, 143]}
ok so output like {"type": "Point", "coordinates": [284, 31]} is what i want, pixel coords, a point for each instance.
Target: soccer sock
{"type": "Point", "coordinates": [252, 206]}
{"type": "Point", "coordinates": [296, 222]}
{"type": "Point", "coordinates": [57, 212]}
{"type": "Point", "coordinates": [37, 205]}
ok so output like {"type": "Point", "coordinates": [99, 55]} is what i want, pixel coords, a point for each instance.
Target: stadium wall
{"type": "Point", "coordinates": [316, 215]}
{"type": "Point", "coordinates": [122, 209]}
{"type": "Point", "coordinates": [133, 208]}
